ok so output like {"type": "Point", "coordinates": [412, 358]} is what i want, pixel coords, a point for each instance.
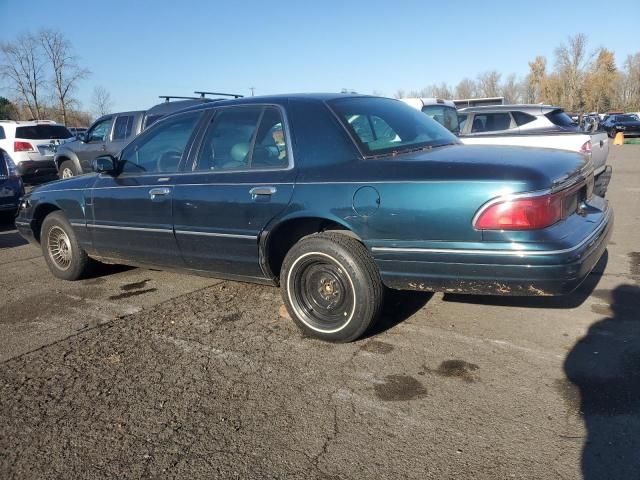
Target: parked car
{"type": "Point", "coordinates": [31, 145]}
{"type": "Point", "coordinates": [286, 190]}
{"type": "Point", "coordinates": [542, 126]}
{"type": "Point", "coordinates": [442, 111]}
{"type": "Point", "coordinates": [626, 123]}
{"type": "Point", "coordinates": [11, 187]}
{"type": "Point", "coordinates": [110, 133]}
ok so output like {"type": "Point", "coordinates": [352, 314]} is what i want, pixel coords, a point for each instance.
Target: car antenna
{"type": "Point", "coordinates": [168, 98]}
{"type": "Point", "coordinates": [234, 95]}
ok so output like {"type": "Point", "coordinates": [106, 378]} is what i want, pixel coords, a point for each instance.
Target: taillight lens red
{"type": "Point", "coordinates": [22, 147]}
{"type": "Point", "coordinates": [525, 213]}
{"type": "Point", "coordinates": [586, 147]}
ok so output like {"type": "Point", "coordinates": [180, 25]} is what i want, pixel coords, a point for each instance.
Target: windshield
{"type": "Point", "coordinates": [444, 115]}
{"type": "Point", "coordinates": [43, 132]}
{"type": "Point", "coordinates": [381, 126]}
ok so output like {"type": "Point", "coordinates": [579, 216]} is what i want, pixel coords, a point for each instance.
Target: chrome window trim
{"type": "Point", "coordinates": [517, 253]}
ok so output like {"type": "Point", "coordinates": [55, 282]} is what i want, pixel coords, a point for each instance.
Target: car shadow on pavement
{"type": "Point", "coordinates": [398, 306]}
{"type": "Point", "coordinates": [573, 300]}
{"type": "Point", "coordinates": [604, 366]}
{"type": "Point", "coordinates": [9, 237]}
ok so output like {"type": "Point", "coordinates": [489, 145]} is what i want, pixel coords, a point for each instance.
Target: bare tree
{"type": "Point", "coordinates": [489, 84]}
{"type": "Point", "coordinates": [466, 88]}
{"type": "Point", "coordinates": [510, 89]}
{"type": "Point", "coordinates": [400, 93]}
{"type": "Point", "coordinates": [572, 62]}
{"type": "Point", "coordinates": [66, 72]}
{"type": "Point", "coordinates": [23, 66]}
{"type": "Point", "coordinates": [101, 102]}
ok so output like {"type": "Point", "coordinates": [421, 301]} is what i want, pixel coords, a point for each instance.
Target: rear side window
{"type": "Point", "coordinates": [241, 138]}
{"type": "Point", "coordinates": [122, 128]}
{"type": "Point", "coordinates": [522, 118]}
{"type": "Point", "coordinates": [42, 132]}
{"type": "Point", "coordinates": [4, 160]}
{"type": "Point", "coordinates": [2, 135]}
{"type": "Point", "coordinates": [558, 117]}
{"type": "Point", "coordinates": [490, 122]}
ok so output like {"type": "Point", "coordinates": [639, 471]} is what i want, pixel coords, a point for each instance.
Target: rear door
{"type": "Point", "coordinates": [241, 177]}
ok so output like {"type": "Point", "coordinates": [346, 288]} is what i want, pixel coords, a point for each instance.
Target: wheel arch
{"type": "Point", "coordinates": [40, 213]}
{"type": "Point", "coordinates": [63, 157]}
{"type": "Point", "coordinates": [278, 239]}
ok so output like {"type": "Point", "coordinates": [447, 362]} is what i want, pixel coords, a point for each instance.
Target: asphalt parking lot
{"type": "Point", "coordinates": [147, 374]}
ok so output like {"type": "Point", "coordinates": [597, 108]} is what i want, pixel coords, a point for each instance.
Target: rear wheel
{"type": "Point", "coordinates": [331, 287]}
{"type": "Point", "coordinates": [68, 169]}
{"type": "Point", "coordinates": [64, 256]}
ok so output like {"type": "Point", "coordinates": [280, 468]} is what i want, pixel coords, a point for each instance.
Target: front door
{"type": "Point", "coordinates": [132, 211]}
{"type": "Point", "coordinates": [241, 178]}
{"type": "Point", "coordinates": [95, 142]}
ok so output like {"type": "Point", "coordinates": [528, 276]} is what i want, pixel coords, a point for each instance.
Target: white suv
{"type": "Point", "coordinates": [32, 144]}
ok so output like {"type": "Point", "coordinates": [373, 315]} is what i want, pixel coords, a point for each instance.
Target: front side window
{"type": "Point", "coordinates": [444, 115]}
{"type": "Point", "coordinates": [490, 122]}
{"type": "Point", "coordinates": [383, 126]}
{"type": "Point", "coordinates": [244, 137]}
{"type": "Point", "coordinates": [123, 127]}
{"type": "Point", "coordinates": [100, 131]}
{"type": "Point", "coordinates": [160, 150]}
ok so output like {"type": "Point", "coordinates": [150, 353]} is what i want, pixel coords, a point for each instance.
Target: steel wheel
{"type": "Point", "coordinates": [321, 292]}
{"type": "Point", "coordinates": [67, 173]}
{"type": "Point", "coordinates": [59, 248]}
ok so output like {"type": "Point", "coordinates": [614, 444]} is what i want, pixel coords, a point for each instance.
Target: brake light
{"type": "Point", "coordinates": [521, 213]}
{"type": "Point", "coordinates": [586, 147]}
{"type": "Point", "coordinates": [23, 147]}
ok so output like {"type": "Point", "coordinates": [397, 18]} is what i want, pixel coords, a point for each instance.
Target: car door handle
{"type": "Point", "coordinates": [157, 192]}
{"type": "Point", "coordinates": [256, 191]}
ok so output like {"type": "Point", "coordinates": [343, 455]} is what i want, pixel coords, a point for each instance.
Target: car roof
{"type": "Point", "coordinates": [30, 123]}
{"type": "Point", "coordinates": [521, 107]}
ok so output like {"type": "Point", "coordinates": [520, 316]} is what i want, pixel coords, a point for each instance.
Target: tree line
{"type": "Point", "coordinates": [41, 73]}
{"type": "Point", "coordinates": [579, 79]}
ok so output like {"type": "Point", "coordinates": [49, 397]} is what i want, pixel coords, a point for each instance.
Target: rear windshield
{"type": "Point", "coordinates": [558, 117]}
{"type": "Point", "coordinates": [43, 132]}
{"type": "Point", "coordinates": [383, 126]}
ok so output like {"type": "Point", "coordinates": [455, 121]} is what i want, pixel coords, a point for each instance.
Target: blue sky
{"type": "Point", "coordinates": [141, 49]}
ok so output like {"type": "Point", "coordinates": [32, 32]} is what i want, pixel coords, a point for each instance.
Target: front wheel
{"type": "Point", "coordinates": [331, 287]}
{"type": "Point", "coordinates": [64, 256]}
{"type": "Point", "coordinates": [68, 169]}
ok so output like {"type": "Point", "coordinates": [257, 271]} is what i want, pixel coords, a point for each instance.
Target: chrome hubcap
{"type": "Point", "coordinates": [59, 247]}
{"type": "Point", "coordinates": [67, 173]}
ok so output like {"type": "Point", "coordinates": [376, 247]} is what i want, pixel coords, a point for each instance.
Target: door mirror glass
{"type": "Point", "coordinates": [104, 164]}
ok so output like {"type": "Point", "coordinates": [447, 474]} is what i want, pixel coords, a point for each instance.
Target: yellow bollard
{"type": "Point", "coordinates": [619, 140]}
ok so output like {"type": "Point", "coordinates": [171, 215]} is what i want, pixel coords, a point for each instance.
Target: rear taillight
{"type": "Point", "coordinates": [23, 147]}
{"type": "Point", "coordinates": [586, 147]}
{"type": "Point", "coordinates": [521, 213]}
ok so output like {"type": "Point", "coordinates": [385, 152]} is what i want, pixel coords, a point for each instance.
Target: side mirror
{"type": "Point", "coordinates": [104, 164]}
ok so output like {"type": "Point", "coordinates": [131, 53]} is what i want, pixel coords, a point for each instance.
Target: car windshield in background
{"type": "Point", "coordinates": [384, 126]}
{"type": "Point", "coordinates": [558, 117]}
{"type": "Point", "coordinates": [444, 115]}
{"type": "Point", "coordinates": [43, 132]}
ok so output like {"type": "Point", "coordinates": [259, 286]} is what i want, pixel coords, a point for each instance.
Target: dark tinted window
{"type": "Point", "coordinates": [2, 135]}
{"type": "Point", "coordinates": [382, 126]}
{"type": "Point", "coordinates": [490, 122]}
{"type": "Point", "coordinates": [42, 132]}
{"type": "Point", "coordinates": [122, 128]}
{"type": "Point", "coordinates": [522, 118]}
{"type": "Point", "coordinates": [244, 138]}
{"type": "Point", "coordinates": [161, 149]}
{"type": "Point", "coordinates": [558, 117]}
{"type": "Point", "coordinates": [4, 160]}
{"type": "Point", "coordinates": [626, 118]}
{"type": "Point", "coordinates": [151, 119]}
